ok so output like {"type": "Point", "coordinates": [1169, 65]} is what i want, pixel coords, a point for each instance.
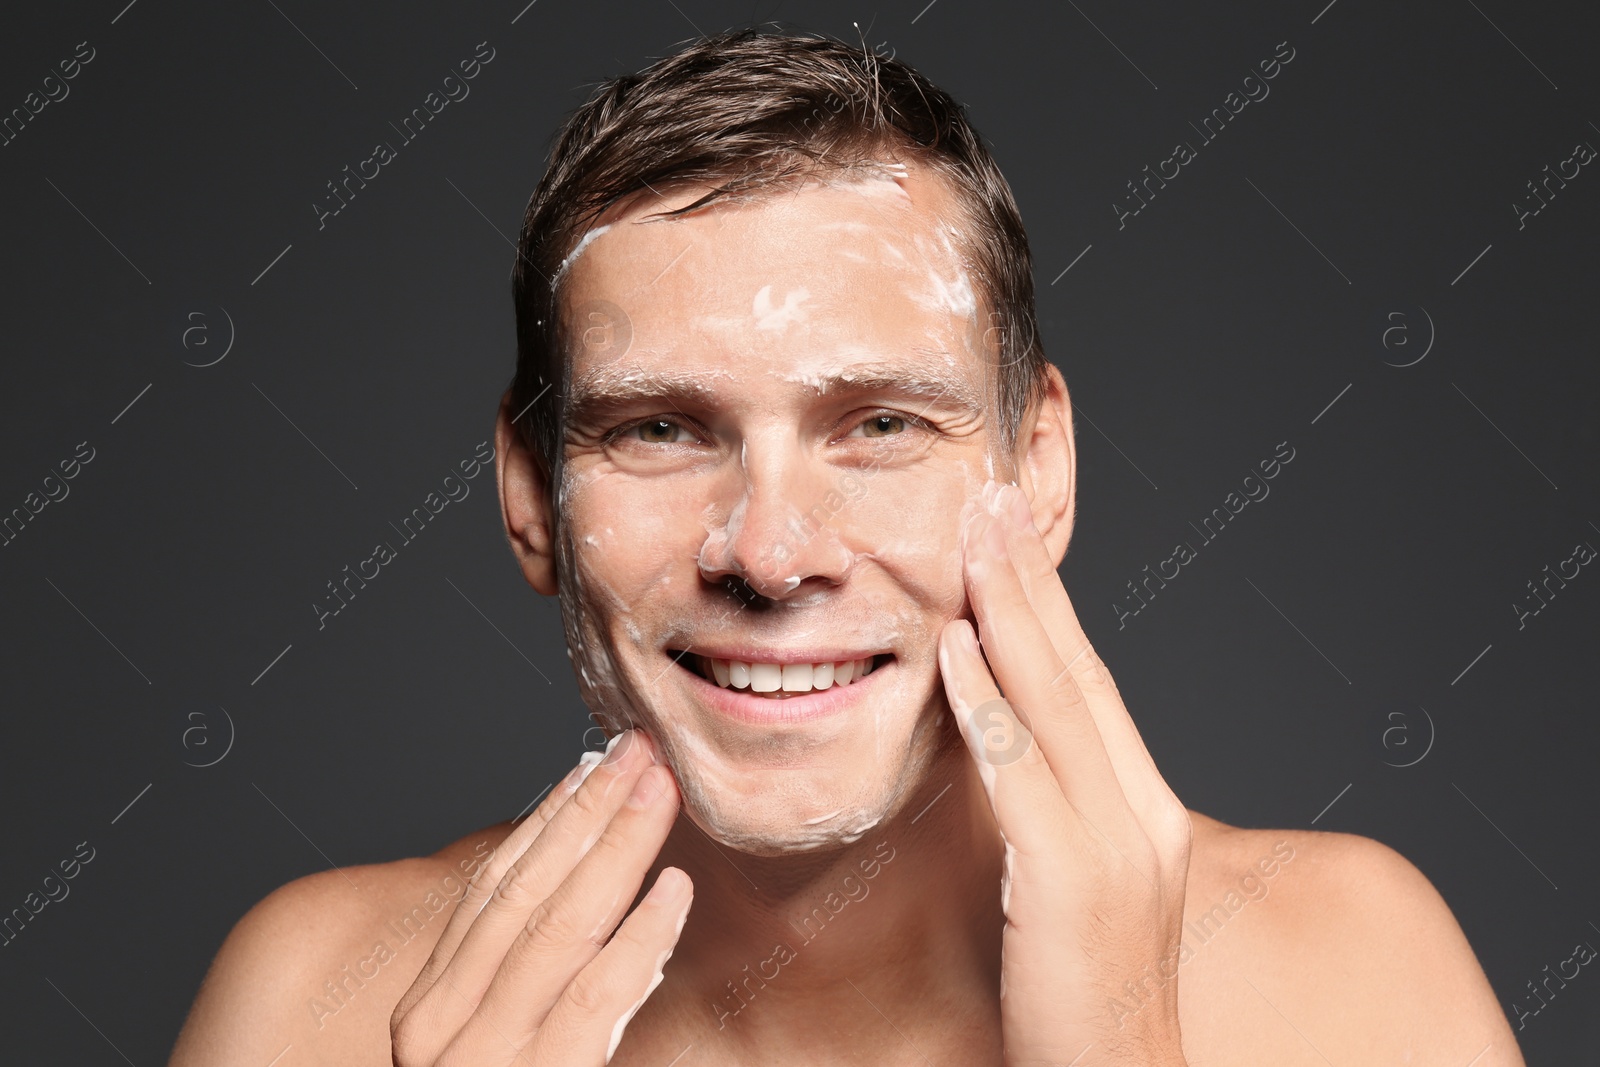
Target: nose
{"type": "Point", "coordinates": [785, 532]}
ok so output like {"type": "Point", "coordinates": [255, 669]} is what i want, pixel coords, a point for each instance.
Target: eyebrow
{"type": "Point", "coordinates": [595, 393]}
{"type": "Point", "coordinates": [615, 388]}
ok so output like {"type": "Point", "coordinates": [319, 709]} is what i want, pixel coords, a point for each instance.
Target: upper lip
{"type": "Point", "coordinates": [747, 654]}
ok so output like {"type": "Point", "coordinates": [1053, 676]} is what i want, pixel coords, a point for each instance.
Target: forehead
{"type": "Point", "coordinates": [800, 280]}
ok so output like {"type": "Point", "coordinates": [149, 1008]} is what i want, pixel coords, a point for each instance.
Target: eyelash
{"type": "Point", "coordinates": [622, 431]}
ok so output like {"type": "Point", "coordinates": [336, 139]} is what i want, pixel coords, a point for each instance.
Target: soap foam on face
{"type": "Point", "coordinates": [630, 595]}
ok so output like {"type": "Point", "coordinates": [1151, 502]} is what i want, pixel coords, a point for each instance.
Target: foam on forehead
{"type": "Point", "coordinates": [577, 250]}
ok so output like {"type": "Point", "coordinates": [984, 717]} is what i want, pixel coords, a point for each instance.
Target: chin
{"type": "Point", "coordinates": [798, 813]}
{"type": "Point", "coordinates": [796, 752]}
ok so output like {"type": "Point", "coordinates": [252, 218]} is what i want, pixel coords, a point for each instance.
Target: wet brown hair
{"type": "Point", "coordinates": [742, 110]}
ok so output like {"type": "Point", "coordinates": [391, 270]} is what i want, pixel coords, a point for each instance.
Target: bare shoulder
{"type": "Point", "coordinates": [319, 964]}
{"type": "Point", "coordinates": [1307, 945]}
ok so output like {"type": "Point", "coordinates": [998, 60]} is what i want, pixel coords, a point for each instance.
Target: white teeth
{"type": "Point", "coordinates": [786, 677]}
{"type": "Point", "coordinates": [765, 677]}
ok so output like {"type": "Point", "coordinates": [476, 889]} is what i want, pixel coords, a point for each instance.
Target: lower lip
{"type": "Point", "coordinates": [744, 706]}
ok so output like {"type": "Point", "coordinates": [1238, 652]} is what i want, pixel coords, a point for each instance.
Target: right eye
{"type": "Point", "coordinates": [659, 431]}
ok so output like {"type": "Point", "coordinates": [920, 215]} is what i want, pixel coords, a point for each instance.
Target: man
{"type": "Point", "coordinates": [784, 442]}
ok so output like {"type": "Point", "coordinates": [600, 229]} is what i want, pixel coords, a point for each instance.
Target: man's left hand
{"type": "Point", "coordinates": [1096, 843]}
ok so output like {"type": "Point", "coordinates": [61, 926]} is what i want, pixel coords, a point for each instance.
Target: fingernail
{"type": "Point", "coordinates": [969, 638]}
{"type": "Point", "coordinates": [991, 490]}
{"type": "Point", "coordinates": [614, 748]}
{"type": "Point", "coordinates": [972, 533]}
{"type": "Point", "coordinates": [1018, 509]}
{"type": "Point", "coordinates": [646, 789]}
{"type": "Point", "coordinates": [670, 887]}
{"type": "Point", "coordinates": [994, 538]}
{"type": "Point", "coordinates": [969, 527]}
{"type": "Point", "coordinates": [650, 748]}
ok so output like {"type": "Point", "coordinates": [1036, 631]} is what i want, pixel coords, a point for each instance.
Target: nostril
{"type": "Point", "coordinates": [742, 589]}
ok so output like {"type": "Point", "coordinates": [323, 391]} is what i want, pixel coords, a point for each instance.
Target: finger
{"type": "Point", "coordinates": [570, 927]}
{"type": "Point", "coordinates": [1130, 758]}
{"type": "Point", "coordinates": [483, 883]}
{"type": "Point", "coordinates": [1033, 678]}
{"type": "Point", "coordinates": [587, 1024]}
{"type": "Point", "coordinates": [518, 880]}
{"type": "Point", "coordinates": [1027, 802]}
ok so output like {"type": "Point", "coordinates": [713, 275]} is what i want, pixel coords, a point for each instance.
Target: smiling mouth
{"type": "Point", "coordinates": [779, 681]}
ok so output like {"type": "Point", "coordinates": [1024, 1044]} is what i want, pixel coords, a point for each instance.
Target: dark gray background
{"type": "Point", "coordinates": [1225, 318]}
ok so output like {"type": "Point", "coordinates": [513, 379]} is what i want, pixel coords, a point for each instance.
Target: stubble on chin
{"type": "Point", "coordinates": [716, 799]}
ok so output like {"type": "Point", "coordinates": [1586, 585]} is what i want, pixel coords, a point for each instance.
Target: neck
{"type": "Point", "coordinates": [902, 925]}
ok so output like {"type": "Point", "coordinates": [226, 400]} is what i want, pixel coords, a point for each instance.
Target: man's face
{"type": "Point", "coordinates": [777, 410]}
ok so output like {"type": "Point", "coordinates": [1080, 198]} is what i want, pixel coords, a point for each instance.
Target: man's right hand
{"type": "Point", "coordinates": [524, 971]}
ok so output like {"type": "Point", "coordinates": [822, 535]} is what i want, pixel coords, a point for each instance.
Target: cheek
{"type": "Point", "coordinates": [626, 537]}
{"type": "Point", "coordinates": [909, 524]}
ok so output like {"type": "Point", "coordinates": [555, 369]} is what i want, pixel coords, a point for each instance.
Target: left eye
{"type": "Point", "coordinates": [880, 426]}
{"type": "Point", "coordinates": [660, 432]}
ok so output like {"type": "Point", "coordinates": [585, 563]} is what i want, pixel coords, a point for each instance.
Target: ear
{"type": "Point", "coordinates": [524, 503]}
{"type": "Point", "coordinates": [1047, 464]}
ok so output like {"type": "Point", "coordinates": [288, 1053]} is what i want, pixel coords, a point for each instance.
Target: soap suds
{"type": "Point", "coordinates": [586, 765]}
{"type": "Point", "coordinates": [1005, 877]}
{"type": "Point", "coordinates": [577, 251]}
{"type": "Point", "coordinates": [886, 562]}
{"type": "Point", "coordinates": [655, 980]}
{"type": "Point", "coordinates": [770, 316]}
